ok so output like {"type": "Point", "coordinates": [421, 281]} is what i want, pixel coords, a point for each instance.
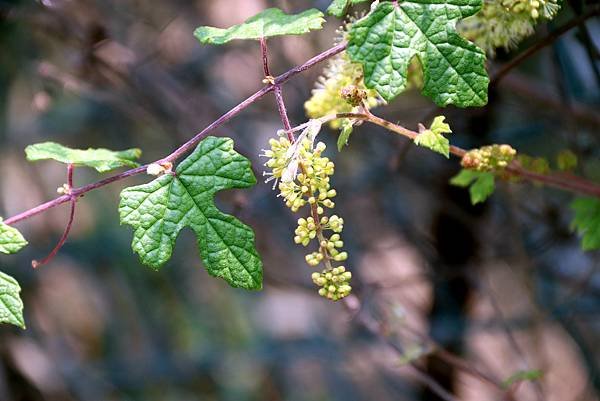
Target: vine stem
{"type": "Point", "coordinates": [187, 146]}
{"type": "Point", "coordinates": [34, 263]}
{"type": "Point", "coordinates": [564, 182]}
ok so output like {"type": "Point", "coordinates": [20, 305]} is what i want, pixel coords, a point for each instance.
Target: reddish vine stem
{"type": "Point", "coordinates": [568, 183]}
{"type": "Point", "coordinates": [189, 145]}
{"type": "Point", "coordinates": [35, 263]}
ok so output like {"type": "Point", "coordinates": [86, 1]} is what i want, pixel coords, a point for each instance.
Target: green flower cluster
{"type": "Point", "coordinates": [489, 158]}
{"type": "Point", "coordinates": [334, 283]}
{"type": "Point", "coordinates": [330, 93]}
{"type": "Point", "coordinates": [504, 23]}
{"type": "Point", "coordinates": [304, 180]}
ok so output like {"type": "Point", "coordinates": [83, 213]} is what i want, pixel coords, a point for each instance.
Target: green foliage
{"type": "Point", "coordinates": [339, 7]}
{"type": "Point", "coordinates": [434, 139]}
{"type": "Point", "coordinates": [103, 160]}
{"type": "Point", "coordinates": [587, 222]}
{"type": "Point", "coordinates": [524, 375]}
{"type": "Point", "coordinates": [11, 306]}
{"type": "Point", "coordinates": [387, 39]}
{"type": "Point", "coordinates": [270, 22]}
{"type": "Point", "coordinates": [481, 184]}
{"type": "Point", "coordinates": [11, 240]}
{"type": "Point", "coordinates": [566, 160]}
{"type": "Point", "coordinates": [159, 210]}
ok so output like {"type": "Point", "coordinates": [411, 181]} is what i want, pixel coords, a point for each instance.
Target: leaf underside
{"type": "Point", "coordinates": [102, 160]}
{"type": "Point", "coordinates": [11, 306]}
{"type": "Point", "coordinates": [270, 22]}
{"type": "Point", "coordinates": [11, 240]}
{"type": "Point", "coordinates": [159, 210]}
{"type": "Point", "coordinates": [386, 40]}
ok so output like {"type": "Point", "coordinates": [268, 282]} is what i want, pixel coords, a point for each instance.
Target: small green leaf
{"type": "Point", "coordinates": [11, 240]}
{"type": "Point", "coordinates": [159, 210]}
{"type": "Point", "coordinates": [481, 184]}
{"type": "Point", "coordinates": [11, 306]}
{"type": "Point", "coordinates": [566, 160]}
{"type": "Point", "coordinates": [387, 39]}
{"type": "Point", "coordinates": [524, 375]}
{"type": "Point", "coordinates": [436, 142]}
{"type": "Point", "coordinates": [270, 22]}
{"type": "Point", "coordinates": [587, 222]}
{"type": "Point", "coordinates": [103, 160]}
{"type": "Point", "coordinates": [339, 7]}
{"type": "Point", "coordinates": [434, 138]}
{"type": "Point", "coordinates": [345, 131]}
{"type": "Point", "coordinates": [439, 127]}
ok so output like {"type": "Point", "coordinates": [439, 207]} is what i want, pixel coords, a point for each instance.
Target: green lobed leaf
{"type": "Point", "coordinates": [11, 240]}
{"type": "Point", "coordinates": [11, 306]}
{"type": "Point", "coordinates": [270, 22]}
{"type": "Point", "coordinates": [338, 7]}
{"type": "Point", "coordinates": [386, 40]}
{"type": "Point", "coordinates": [587, 222]}
{"type": "Point", "coordinates": [434, 138]}
{"type": "Point", "coordinates": [481, 184]}
{"type": "Point", "coordinates": [159, 210]}
{"type": "Point", "coordinates": [436, 142]}
{"type": "Point", "coordinates": [103, 160]}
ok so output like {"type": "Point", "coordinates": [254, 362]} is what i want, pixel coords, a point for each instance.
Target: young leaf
{"type": "Point", "coordinates": [388, 38]}
{"type": "Point", "coordinates": [270, 22]}
{"type": "Point", "coordinates": [11, 240]}
{"type": "Point", "coordinates": [481, 184]}
{"type": "Point", "coordinates": [103, 160]}
{"type": "Point", "coordinates": [587, 222]}
{"type": "Point", "coordinates": [524, 375]}
{"type": "Point", "coordinates": [434, 138]}
{"type": "Point", "coordinates": [338, 7]}
{"type": "Point", "coordinates": [11, 306]}
{"type": "Point", "coordinates": [159, 210]}
{"type": "Point", "coordinates": [345, 131]}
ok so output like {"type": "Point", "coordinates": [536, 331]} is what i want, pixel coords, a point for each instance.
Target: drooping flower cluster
{"type": "Point", "coordinates": [303, 176]}
{"type": "Point", "coordinates": [489, 158]}
{"type": "Point", "coordinates": [504, 23]}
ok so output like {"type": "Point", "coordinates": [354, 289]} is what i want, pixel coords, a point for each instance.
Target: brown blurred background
{"type": "Point", "coordinates": [504, 284]}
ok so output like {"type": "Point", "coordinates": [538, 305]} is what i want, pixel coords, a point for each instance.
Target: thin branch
{"type": "Point", "coordinates": [553, 36]}
{"type": "Point", "coordinates": [35, 263]}
{"type": "Point", "coordinates": [567, 183]}
{"type": "Point", "coordinates": [189, 145]}
{"type": "Point", "coordinates": [276, 90]}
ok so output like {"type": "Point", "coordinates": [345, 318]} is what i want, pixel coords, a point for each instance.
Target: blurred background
{"type": "Point", "coordinates": [503, 285]}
